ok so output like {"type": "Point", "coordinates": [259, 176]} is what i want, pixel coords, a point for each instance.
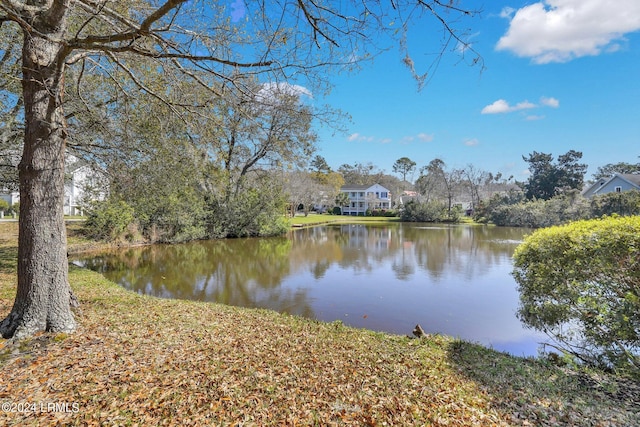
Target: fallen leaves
{"type": "Point", "coordinates": [143, 361]}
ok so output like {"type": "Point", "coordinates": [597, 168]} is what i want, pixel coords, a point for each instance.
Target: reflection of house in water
{"type": "Point", "coordinates": [371, 238]}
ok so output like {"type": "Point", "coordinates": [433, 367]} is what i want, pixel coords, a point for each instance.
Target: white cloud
{"type": "Point", "coordinates": [425, 137]}
{"type": "Point", "coordinates": [421, 137]}
{"type": "Point", "coordinates": [471, 142]}
{"type": "Point", "coordinates": [561, 30]}
{"type": "Point", "coordinates": [534, 117]}
{"type": "Point", "coordinates": [507, 12]}
{"type": "Point", "coordinates": [501, 106]}
{"type": "Point", "coordinates": [550, 102]}
{"type": "Point", "coordinates": [360, 138]}
{"type": "Point", "coordinates": [272, 88]}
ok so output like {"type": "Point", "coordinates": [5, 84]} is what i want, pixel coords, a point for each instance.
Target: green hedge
{"type": "Point", "coordinates": [109, 219]}
{"type": "Point", "coordinates": [580, 283]}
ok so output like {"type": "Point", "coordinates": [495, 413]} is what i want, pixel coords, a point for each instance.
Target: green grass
{"type": "Point", "coordinates": [148, 361]}
{"type": "Point", "coordinates": [316, 219]}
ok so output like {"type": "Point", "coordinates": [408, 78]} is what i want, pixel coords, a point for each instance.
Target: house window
{"type": "Point", "coordinates": [383, 195]}
{"type": "Point", "coordinates": [361, 194]}
{"type": "Point", "coordinates": [618, 189]}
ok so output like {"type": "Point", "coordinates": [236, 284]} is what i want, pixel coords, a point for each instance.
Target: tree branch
{"type": "Point", "coordinates": [28, 9]}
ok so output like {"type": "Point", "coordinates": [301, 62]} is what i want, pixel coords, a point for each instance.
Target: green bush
{"type": "Point", "coordinates": [251, 213]}
{"type": "Point", "coordinates": [580, 283]}
{"type": "Point", "coordinates": [512, 211]}
{"type": "Point", "coordinates": [109, 219]}
{"type": "Point", "coordinates": [171, 217]}
{"type": "Point", "coordinates": [384, 213]}
{"type": "Point", "coordinates": [4, 206]}
{"type": "Point", "coordinates": [429, 212]}
{"type": "Point", "coordinates": [625, 203]}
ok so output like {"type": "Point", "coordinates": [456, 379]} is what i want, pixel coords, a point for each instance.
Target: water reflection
{"type": "Point", "coordinates": [450, 279]}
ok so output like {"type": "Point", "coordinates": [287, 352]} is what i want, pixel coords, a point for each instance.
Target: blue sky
{"type": "Point", "coordinates": [559, 75]}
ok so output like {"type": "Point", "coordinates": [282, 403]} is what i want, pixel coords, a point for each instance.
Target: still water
{"type": "Point", "coordinates": [453, 280]}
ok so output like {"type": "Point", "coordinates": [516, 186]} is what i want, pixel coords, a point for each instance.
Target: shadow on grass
{"type": "Point", "coordinates": [8, 259]}
{"type": "Point", "coordinates": [537, 392]}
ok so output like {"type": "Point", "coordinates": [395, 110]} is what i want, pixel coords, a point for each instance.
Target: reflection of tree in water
{"type": "Point", "coordinates": [242, 272]}
{"type": "Point", "coordinates": [250, 272]}
{"type": "Point", "coordinates": [409, 248]}
{"type": "Point", "coordinates": [469, 250]}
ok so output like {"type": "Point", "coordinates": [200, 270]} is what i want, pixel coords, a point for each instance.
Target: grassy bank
{"type": "Point", "coordinates": [138, 360]}
{"type": "Point", "coordinates": [318, 219]}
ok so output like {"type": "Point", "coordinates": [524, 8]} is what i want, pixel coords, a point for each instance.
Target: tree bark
{"type": "Point", "coordinates": [43, 300]}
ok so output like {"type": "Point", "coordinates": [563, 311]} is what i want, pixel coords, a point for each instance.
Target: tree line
{"type": "Point", "coordinates": [115, 82]}
{"type": "Point", "coordinates": [551, 195]}
{"type": "Point", "coordinates": [199, 117]}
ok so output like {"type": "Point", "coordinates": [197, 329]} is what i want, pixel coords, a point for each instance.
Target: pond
{"type": "Point", "coordinates": [453, 280]}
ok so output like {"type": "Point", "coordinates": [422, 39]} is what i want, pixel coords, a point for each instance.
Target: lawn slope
{"type": "Point", "coordinates": [137, 360]}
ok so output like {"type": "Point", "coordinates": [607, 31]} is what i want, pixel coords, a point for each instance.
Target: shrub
{"type": "Point", "coordinates": [384, 213]}
{"type": "Point", "coordinates": [511, 210]}
{"type": "Point", "coordinates": [626, 203]}
{"type": "Point", "coordinates": [4, 206]}
{"type": "Point", "coordinates": [580, 283]}
{"type": "Point", "coordinates": [249, 214]}
{"type": "Point", "coordinates": [109, 219]}
{"type": "Point", "coordinates": [174, 218]}
{"type": "Point", "coordinates": [428, 212]}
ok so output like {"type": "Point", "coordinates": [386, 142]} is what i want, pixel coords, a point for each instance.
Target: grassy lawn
{"type": "Point", "coordinates": [315, 219]}
{"type": "Point", "coordinates": [137, 360]}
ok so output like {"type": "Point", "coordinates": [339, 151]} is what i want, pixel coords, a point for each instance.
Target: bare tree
{"type": "Point", "coordinates": [360, 174]}
{"type": "Point", "coordinates": [269, 126]}
{"type": "Point", "coordinates": [438, 182]}
{"type": "Point", "coordinates": [65, 43]}
{"type": "Point", "coordinates": [474, 180]}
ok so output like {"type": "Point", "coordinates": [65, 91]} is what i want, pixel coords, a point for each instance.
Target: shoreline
{"type": "Point", "coordinates": [139, 359]}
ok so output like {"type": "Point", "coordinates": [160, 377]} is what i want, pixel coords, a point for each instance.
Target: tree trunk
{"type": "Point", "coordinates": [43, 300]}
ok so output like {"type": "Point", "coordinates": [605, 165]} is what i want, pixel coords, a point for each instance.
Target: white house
{"type": "Point", "coordinates": [365, 197]}
{"type": "Point", "coordinates": [616, 184]}
{"type": "Point", "coordinates": [11, 197]}
{"type": "Point", "coordinates": [79, 177]}
{"type": "Point", "coordinates": [406, 197]}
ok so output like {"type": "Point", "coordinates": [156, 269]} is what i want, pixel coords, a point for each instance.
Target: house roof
{"type": "Point", "coordinates": [633, 179]}
{"type": "Point", "coordinates": [359, 187]}
{"type": "Point", "coordinates": [354, 187]}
